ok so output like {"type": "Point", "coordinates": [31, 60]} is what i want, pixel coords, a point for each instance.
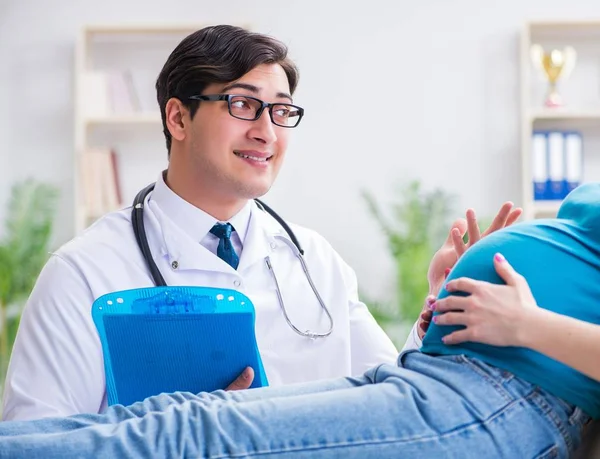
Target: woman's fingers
{"type": "Point", "coordinates": [460, 225]}
{"type": "Point", "coordinates": [451, 318]}
{"type": "Point", "coordinates": [506, 216]}
{"type": "Point", "coordinates": [452, 303]}
{"type": "Point", "coordinates": [506, 271]}
{"type": "Point", "coordinates": [464, 284]}
{"type": "Point", "coordinates": [500, 219]}
{"type": "Point", "coordinates": [457, 241]}
{"type": "Point", "coordinates": [514, 216]}
{"type": "Point", "coordinates": [456, 337]}
{"type": "Point", "coordinates": [426, 315]}
{"type": "Point", "coordinates": [473, 227]}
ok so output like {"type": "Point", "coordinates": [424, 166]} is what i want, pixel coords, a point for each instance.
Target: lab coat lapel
{"type": "Point", "coordinates": [189, 254]}
{"type": "Point", "coordinates": [259, 241]}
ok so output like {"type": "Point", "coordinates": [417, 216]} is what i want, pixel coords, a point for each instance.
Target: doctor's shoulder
{"type": "Point", "coordinates": [317, 249]}
{"type": "Point", "coordinates": [105, 249]}
{"type": "Point", "coordinates": [111, 232]}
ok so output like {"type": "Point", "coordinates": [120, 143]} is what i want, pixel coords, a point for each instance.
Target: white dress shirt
{"type": "Point", "coordinates": [57, 367]}
{"type": "Point", "coordinates": [197, 224]}
{"type": "Point", "coordinates": [413, 341]}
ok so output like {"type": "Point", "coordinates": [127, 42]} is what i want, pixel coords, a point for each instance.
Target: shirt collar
{"type": "Point", "coordinates": [194, 221]}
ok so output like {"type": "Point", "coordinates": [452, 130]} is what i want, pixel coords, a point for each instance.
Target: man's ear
{"type": "Point", "coordinates": [175, 115]}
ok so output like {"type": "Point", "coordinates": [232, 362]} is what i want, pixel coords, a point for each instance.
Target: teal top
{"type": "Point", "coordinates": [560, 258]}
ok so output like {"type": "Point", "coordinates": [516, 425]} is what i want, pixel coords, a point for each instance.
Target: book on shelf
{"type": "Point", "coordinates": [100, 182]}
{"type": "Point", "coordinates": [557, 163]}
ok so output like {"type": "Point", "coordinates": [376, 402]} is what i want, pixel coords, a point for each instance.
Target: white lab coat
{"type": "Point", "coordinates": [57, 366]}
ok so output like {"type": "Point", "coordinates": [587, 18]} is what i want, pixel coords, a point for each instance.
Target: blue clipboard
{"type": "Point", "coordinates": [169, 339]}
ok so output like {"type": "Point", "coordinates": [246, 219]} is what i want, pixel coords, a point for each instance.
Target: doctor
{"type": "Point", "coordinates": [225, 96]}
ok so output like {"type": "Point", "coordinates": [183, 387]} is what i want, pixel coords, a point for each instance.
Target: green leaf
{"type": "Point", "coordinates": [23, 252]}
{"type": "Point", "coordinates": [28, 229]}
{"type": "Point", "coordinates": [417, 225]}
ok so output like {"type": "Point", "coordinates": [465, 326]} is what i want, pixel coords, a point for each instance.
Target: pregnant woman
{"type": "Point", "coordinates": [509, 368]}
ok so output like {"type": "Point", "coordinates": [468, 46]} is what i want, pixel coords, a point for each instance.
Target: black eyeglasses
{"type": "Point", "coordinates": [250, 108]}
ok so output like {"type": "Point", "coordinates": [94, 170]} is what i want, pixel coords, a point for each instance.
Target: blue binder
{"type": "Point", "coordinates": [169, 339]}
{"type": "Point", "coordinates": [539, 165]}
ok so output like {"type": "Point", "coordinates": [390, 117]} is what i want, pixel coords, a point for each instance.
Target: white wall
{"type": "Point", "coordinates": [451, 68]}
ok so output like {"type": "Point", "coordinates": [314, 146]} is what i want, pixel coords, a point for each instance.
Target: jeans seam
{"type": "Point", "coordinates": [375, 372]}
{"type": "Point", "coordinates": [499, 388]}
{"type": "Point", "coordinates": [399, 441]}
{"type": "Point", "coordinates": [551, 453]}
{"type": "Point", "coordinates": [538, 399]}
{"type": "Point", "coordinates": [574, 416]}
{"type": "Point", "coordinates": [578, 417]}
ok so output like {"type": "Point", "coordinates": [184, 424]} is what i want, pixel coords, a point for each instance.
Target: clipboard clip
{"type": "Point", "coordinates": [174, 302]}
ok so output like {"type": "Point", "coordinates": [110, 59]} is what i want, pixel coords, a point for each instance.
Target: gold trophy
{"type": "Point", "coordinates": [554, 65]}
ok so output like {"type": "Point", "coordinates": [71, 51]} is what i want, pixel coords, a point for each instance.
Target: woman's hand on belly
{"type": "Point", "coordinates": [494, 314]}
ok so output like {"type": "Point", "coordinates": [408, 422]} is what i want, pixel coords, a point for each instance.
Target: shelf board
{"type": "Point", "coordinates": [573, 30]}
{"type": "Point", "coordinates": [565, 114]}
{"type": "Point", "coordinates": [126, 119]}
{"type": "Point", "coordinates": [148, 29]}
{"type": "Point", "coordinates": [564, 24]}
{"type": "Point", "coordinates": [101, 29]}
{"type": "Point", "coordinates": [548, 208]}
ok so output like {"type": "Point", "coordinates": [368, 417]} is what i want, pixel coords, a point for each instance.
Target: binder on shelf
{"type": "Point", "coordinates": [573, 160]}
{"type": "Point", "coordinates": [539, 156]}
{"type": "Point", "coordinates": [556, 165]}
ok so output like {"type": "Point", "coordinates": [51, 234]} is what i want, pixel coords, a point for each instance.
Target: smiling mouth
{"type": "Point", "coordinates": [253, 158]}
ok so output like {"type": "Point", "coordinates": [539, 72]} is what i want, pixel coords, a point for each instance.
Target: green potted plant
{"type": "Point", "coordinates": [414, 227]}
{"type": "Point", "coordinates": [23, 252]}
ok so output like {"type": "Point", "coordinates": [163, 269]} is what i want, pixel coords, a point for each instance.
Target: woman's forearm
{"type": "Point", "coordinates": [570, 341]}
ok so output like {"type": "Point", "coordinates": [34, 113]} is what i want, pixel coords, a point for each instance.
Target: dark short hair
{"type": "Point", "coordinates": [216, 54]}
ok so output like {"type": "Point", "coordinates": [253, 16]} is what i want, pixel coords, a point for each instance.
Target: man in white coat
{"type": "Point", "coordinates": [225, 96]}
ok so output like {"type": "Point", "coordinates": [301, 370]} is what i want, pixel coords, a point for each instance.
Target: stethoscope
{"type": "Point", "coordinates": [137, 221]}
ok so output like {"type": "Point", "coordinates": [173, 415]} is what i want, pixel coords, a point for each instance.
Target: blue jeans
{"type": "Point", "coordinates": [450, 406]}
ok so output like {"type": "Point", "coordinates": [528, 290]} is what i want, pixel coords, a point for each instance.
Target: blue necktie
{"type": "Point", "coordinates": [225, 250]}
